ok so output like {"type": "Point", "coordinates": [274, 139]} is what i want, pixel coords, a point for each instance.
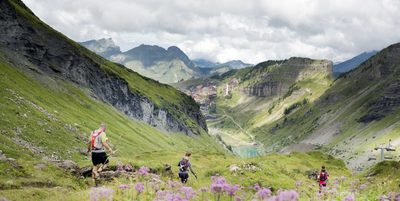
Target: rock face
{"type": "Point", "coordinates": [276, 77]}
{"type": "Point", "coordinates": [24, 36]}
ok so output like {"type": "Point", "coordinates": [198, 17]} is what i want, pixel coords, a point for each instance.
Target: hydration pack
{"type": "Point", "coordinates": [96, 140]}
{"type": "Point", "coordinates": [183, 166]}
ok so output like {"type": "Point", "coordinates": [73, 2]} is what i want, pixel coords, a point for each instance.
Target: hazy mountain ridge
{"type": "Point", "coordinates": [352, 63]}
{"type": "Point", "coordinates": [169, 65]}
{"type": "Point", "coordinates": [234, 64]}
{"type": "Point", "coordinates": [104, 47]}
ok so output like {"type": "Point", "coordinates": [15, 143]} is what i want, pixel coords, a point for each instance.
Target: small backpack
{"type": "Point", "coordinates": [323, 176]}
{"type": "Point", "coordinates": [96, 140]}
{"type": "Point", "coordinates": [182, 166]}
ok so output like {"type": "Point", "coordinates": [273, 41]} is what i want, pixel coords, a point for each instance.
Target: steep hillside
{"type": "Point", "coordinates": [25, 37]}
{"type": "Point", "coordinates": [246, 99]}
{"type": "Point", "coordinates": [359, 112]}
{"type": "Point", "coordinates": [53, 93]}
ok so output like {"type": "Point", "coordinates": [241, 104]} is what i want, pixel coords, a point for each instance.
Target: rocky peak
{"type": "Point", "coordinates": [176, 53]}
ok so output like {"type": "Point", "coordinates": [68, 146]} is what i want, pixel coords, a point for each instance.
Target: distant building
{"type": "Point", "coordinates": [230, 86]}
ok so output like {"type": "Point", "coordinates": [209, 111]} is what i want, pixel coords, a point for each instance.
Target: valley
{"type": "Point", "coordinates": [251, 132]}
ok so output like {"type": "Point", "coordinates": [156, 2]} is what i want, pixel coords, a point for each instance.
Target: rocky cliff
{"type": "Point", "coordinates": [24, 36]}
{"type": "Point", "coordinates": [274, 78]}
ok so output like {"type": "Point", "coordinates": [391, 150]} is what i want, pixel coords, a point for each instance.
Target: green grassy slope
{"type": "Point", "coordinates": [359, 111]}
{"type": "Point", "coordinates": [274, 171]}
{"type": "Point", "coordinates": [163, 96]}
{"type": "Point", "coordinates": [42, 116]}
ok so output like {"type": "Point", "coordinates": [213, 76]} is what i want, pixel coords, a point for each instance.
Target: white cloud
{"type": "Point", "coordinates": [222, 30]}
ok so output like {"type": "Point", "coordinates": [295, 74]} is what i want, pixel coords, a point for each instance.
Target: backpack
{"type": "Point", "coordinates": [96, 140]}
{"type": "Point", "coordinates": [323, 176]}
{"type": "Point", "coordinates": [182, 166]}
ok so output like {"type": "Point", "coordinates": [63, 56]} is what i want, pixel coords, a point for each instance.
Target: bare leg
{"type": "Point", "coordinates": [95, 172]}
{"type": "Point", "coordinates": [102, 167]}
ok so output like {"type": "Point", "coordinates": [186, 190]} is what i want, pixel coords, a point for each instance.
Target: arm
{"type": "Point", "coordinates": [104, 141]}
{"type": "Point", "coordinates": [107, 146]}
{"type": "Point", "coordinates": [191, 170]}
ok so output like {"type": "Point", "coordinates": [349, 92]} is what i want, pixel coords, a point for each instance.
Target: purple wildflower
{"type": "Point", "coordinates": [128, 168]}
{"type": "Point", "coordinates": [289, 195]}
{"type": "Point", "coordinates": [257, 187]}
{"type": "Point", "coordinates": [100, 193]}
{"type": "Point", "coordinates": [188, 192]}
{"type": "Point", "coordinates": [218, 180]}
{"type": "Point", "coordinates": [263, 193]}
{"type": "Point", "coordinates": [231, 189]}
{"type": "Point", "coordinates": [217, 188]}
{"type": "Point", "coordinates": [143, 171]}
{"type": "Point", "coordinates": [123, 186]}
{"type": "Point", "coordinates": [173, 184]}
{"type": "Point", "coordinates": [173, 197]}
{"type": "Point", "coordinates": [218, 184]}
{"type": "Point", "coordinates": [139, 187]}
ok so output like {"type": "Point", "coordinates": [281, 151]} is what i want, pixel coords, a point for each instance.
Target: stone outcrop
{"type": "Point", "coordinates": [275, 77]}
{"type": "Point", "coordinates": [385, 104]}
{"type": "Point", "coordinates": [24, 36]}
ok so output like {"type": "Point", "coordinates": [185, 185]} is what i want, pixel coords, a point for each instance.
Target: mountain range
{"type": "Point", "coordinates": [169, 65]}
{"type": "Point", "coordinates": [234, 64]}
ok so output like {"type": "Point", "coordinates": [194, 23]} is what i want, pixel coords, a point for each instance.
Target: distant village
{"type": "Point", "coordinates": [206, 94]}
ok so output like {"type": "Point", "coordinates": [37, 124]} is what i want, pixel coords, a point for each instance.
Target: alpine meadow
{"type": "Point", "coordinates": [199, 100]}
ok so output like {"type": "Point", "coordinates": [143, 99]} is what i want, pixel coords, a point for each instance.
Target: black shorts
{"type": "Point", "coordinates": [99, 158]}
{"type": "Point", "coordinates": [183, 175]}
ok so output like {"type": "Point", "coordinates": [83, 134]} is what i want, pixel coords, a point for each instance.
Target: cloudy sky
{"type": "Point", "coordinates": [221, 30]}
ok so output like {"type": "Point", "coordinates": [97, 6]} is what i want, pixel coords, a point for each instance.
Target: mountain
{"type": "Point", "coordinates": [104, 47]}
{"type": "Point", "coordinates": [234, 64]}
{"type": "Point", "coordinates": [164, 65]}
{"type": "Point", "coordinates": [204, 63]}
{"type": "Point", "coordinates": [355, 115]}
{"type": "Point", "coordinates": [352, 63]}
{"type": "Point", "coordinates": [238, 101]}
{"type": "Point", "coordinates": [169, 65]}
